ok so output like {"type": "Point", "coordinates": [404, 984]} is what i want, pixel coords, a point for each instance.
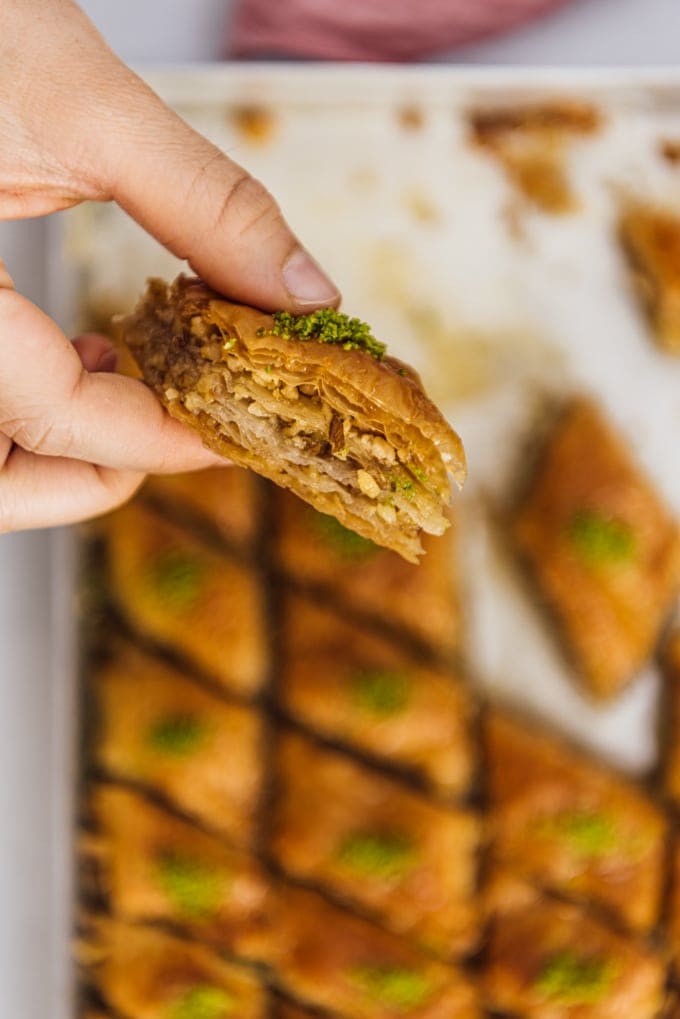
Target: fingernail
{"type": "Point", "coordinates": [108, 362]}
{"type": "Point", "coordinates": [306, 282]}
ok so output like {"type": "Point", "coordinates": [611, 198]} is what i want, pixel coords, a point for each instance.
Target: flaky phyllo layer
{"type": "Point", "coordinates": [353, 435]}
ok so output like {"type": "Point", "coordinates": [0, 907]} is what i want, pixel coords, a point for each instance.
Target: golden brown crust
{"type": "Point", "coordinates": [601, 546]}
{"type": "Point", "coordinates": [650, 236]}
{"type": "Point", "coordinates": [193, 348]}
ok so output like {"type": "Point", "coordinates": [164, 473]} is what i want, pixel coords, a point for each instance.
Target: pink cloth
{"type": "Point", "coordinates": [371, 29]}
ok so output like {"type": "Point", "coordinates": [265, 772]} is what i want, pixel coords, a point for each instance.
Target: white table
{"type": "Point", "coordinates": [163, 31]}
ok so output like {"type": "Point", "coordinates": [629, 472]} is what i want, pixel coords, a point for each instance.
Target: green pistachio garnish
{"type": "Point", "coordinates": [569, 979]}
{"type": "Point", "coordinates": [384, 856]}
{"type": "Point", "coordinates": [346, 543]}
{"type": "Point", "coordinates": [177, 735]}
{"type": "Point", "coordinates": [587, 833]}
{"type": "Point", "coordinates": [176, 578]}
{"type": "Point", "coordinates": [194, 888]}
{"type": "Point", "coordinates": [381, 692]}
{"type": "Point", "coordinates": [203, 1002]}
{"type": "Point", "coordinates": [395, 987]}
{"type": "Point", "coordinates": [327, 326]}
{"type": "Point", "coordinates": [600, 540]}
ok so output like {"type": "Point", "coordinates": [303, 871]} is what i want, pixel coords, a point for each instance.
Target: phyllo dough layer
{"type": "Point", "coordinates": [349, 432]}
{"type": "Point", "coordinates": [570, 824]}
{"type": "Point", "coordinates": [176, 590]}
{"type": "Point", "coordinates": [406, 862]}
{"type": "Point", "coordinates": [650, 236]}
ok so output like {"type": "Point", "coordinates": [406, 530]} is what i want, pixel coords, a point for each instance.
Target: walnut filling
{"type": "Point", "coordinates": [260, 406]}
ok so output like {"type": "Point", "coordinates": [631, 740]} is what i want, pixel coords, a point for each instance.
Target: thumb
{"type": "Point", "coordinates": [204, 207]}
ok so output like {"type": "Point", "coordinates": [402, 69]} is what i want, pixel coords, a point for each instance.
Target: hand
{"type": "Point", "coordinates": [75, 438]}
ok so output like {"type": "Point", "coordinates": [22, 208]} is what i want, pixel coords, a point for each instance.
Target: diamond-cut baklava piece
{"type": "Point", "coordinates": [650, 236]}
{"type": "Point", "coordinates": [531, 145]}
{"type": "Point", "coordinates": [360, 689]}
{"type": "Point", "coordinates": [570, 824]}
{"type": "Point", "coordinates": [548, 959]}
{"type": "Point", "coordinates": [329, 958]}
{"type": "Point", "coordinates": [159, 730]}
{"type": "Point", "coordinates": [420, 602]}
{"type": "Point", "coordinates": [405, 861]}
{"type": "Point", "coordinates": [146, 973]}
{"type": "Point", "coordinates": [176, 590]}
{"type": "Point", "coordinates": [154, 867]}
{"type": "Point", "coordinates": [313, 404]}
{"type": "Point", "coordinates": [601, 546]}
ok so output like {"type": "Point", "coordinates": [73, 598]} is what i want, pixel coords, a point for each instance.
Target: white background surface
{"type": "Point", "coordinates": [586, 32]}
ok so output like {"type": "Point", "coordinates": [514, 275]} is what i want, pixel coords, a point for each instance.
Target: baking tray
{"type": "Point", "coordinates": [500, 307]}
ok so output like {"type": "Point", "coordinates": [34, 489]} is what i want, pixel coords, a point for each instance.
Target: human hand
{"type": "Point", "coordinates": [75, 438]}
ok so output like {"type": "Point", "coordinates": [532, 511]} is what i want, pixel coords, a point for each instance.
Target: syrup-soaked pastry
{"type": "Point", "coordinates": [602, 548]}
{"type": "Point", "coordinates": [650, 236]}
{"type": "Point", "coordinates": [146, 973]}
{"type": "Point", "coordinates": [571, 824]}
{"type": "Point", "coordinates": [407, 862]}
{"type": "Point", "coordinates": [329, 958]}
{"type": "Point", "coordinates": [361, 689]}
{"type": "Point", "coordinates": [549, 959]}
{"type": "Point", "coordinates": [531, 145]}
{"type": "Point", "coordinates": [419, 601]}
{"type": "Point", "coordinates": [159, 730]}
{"type": "Point", "coordinates": [671, 734]}
{"type": "Point", "coordinates": [672, 911]}
{"type": "Point", "coordinates": [287, 1010]}
{"type": "Point", "coordinates": [154, 867]}
{"type": "Point", "coordinates": [224, 498]}
{"type": "Point", "coordinates": [176, 590]}
{"type": "Point", "coordinates": [312, 403]}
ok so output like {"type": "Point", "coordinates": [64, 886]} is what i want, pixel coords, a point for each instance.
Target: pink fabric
{"type": "Point", "coordinates": [372, 29]}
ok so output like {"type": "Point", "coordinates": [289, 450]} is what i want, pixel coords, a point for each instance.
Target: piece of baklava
{"type": "Point", "coordinates": [650, 236]}
{"type": "Point", "coordinates": [601, 547]}
{"type": "Point", "coordinates": [154, 867]}
{"type": "Point", "coordinates": [224, 499]}
{"type": "Point", "coordinates": [571, 824]}
{"type": "Point", "coordinates": [329, 958]}
{"type": "Point", "coordinates": [410, 864]}
{"type": "Point", "coordinates": [531, 144]}
{"type": "Point", "coordinates": [670, 664]}
{"type": "Point", "coordinates": [158, 729]}
{"type": "Point", "coordinates": [146, 973]}
{"type": "Point", "coordinates": [286, 1010]}
{"type": "Point", "coordinates": [176, 590]}
{"type": "Point", "coordinates": [358, 688]}
{"type": "Point", "coordinates": [548, 959]}
{"type": "Point", "coordinates": [420, 602]}
{"type": "Point", "coordinates": [311, 402]}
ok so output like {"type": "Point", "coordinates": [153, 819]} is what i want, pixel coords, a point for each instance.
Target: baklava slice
{"type": "Point", "coordinates": [572, 825]}
{"type": "Point", "coordinates": [156, 868]}
{"type": "Point", "coordinates": [548, 959]}
{"type": "Point", "coordinates": [419, 602]}
{"type": "Point", "coordinates": [406, 862]}
{"type": "Point", "coordinates": [146, 973]}
{"type": "Point", "coordinates": [531, 143]}
{"type": "Point", "coordinates": [672, 911]}
{"type": "Point", "coordinates": [671, 717]}
{"type": "Point", "coordinates": [601, 546]}
{"type": "Point", "coordinates": [650, 236]}
{"type": "Point", "coordinates": [176, 590]}
{"type": "Point", "coordinates": [329, 958]}
{"type": "Point", "coordinates": [156, 728]}
{"type": "Point", "coordinates": [357, 688]}
{"type": "Point", "coordinates": [312, 402]}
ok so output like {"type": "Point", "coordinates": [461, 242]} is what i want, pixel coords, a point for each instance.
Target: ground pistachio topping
{"type": "Point", "coordinates": [176, 576]}
{"type": "Point", "coordinates": [177, 735]}
{"type": "Point", "coordinates": [346, 543]}
{"type": "Point", "coordinates": [382, 692]}
{"type": "Point", "coordinates": [588, 833]}
{"type": "Point", "coordinates": [600, 540]}
{"type": "Point", "coordinates": [381, 855]}
{"type": "Point", "coordinates": [327, 326]}
{"type": "Point", "coordinates": [195, 889]}
{"type": "Point", "coordinates": [569, 979]}
{"type": "Point", "coordinates": [395, 987]}
{"type": "Point", "coordinates": [202, 1002]}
